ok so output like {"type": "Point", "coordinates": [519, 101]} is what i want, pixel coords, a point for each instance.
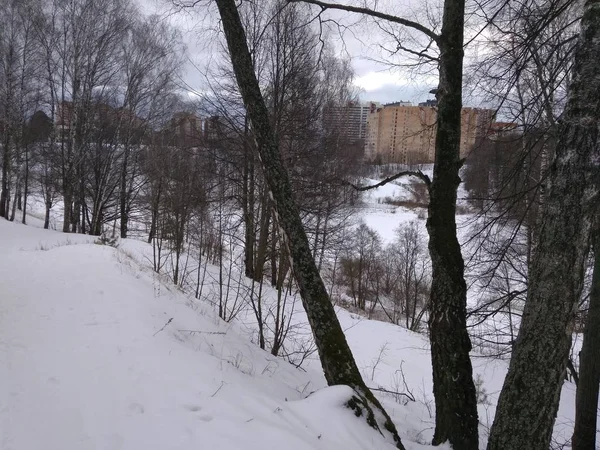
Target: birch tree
{"type": "Point", "coordinates": [336, 358]}
{"type": "Point", "coordinates": [529, 400]}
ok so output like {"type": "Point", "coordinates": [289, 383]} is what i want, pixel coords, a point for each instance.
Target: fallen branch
{"type": "Point", "coordinates": [164, 326]}
{"type": "Point", "coordinates": [219, 388]}
{"type": "Point", "coordinates": [202, 332]}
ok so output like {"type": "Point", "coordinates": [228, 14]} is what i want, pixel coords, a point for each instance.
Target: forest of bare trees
{"type": "Point", "coordinates": [248, 185]}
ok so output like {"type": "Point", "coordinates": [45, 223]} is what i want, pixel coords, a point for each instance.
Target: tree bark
{"type": "Point", "coordinates": [453, 387]}
{"type": "Point", "coordinates": [337, 361]}
{"type": "Point", "coordinates": [530, 396]}
{"type": "Point", "coordinates": [68, 207]}
{"type": "Point", "coordinates": [4, 191]}
{"type": "Point", "coordinates": [456, 418]}
{"type": "Point", "coordinates": [13, 210]}
{"type": "Point", "coordinates": [263, 237]}
{"type": "Point", "coordinates": [47, 215]}
{"type": "Point", "coordinates": [123, 197]}
{"type": "Point", "coordinates": [248, 205]}
{"type": "Point", "coordinates": [586, 402]}
{"type": "Point", "coordinates": [25, 188]}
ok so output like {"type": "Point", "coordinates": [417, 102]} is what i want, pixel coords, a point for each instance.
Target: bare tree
{"type": "Point", "coordinates": [88, 34]}
{"type": "Point", "coordinates": [454, 390]}
{"type": "Point", "coordinates": [412, 268]}
{"type": "Point", "coordinates": [361, 266]}
{"type": "Point", "coordinates": [586, 402]}
{"type": "Point", "coordinates": [151, 60]}
{"type": "Point", "coordinates": [336, 357]}
{"type": "Point", "coordinates": [19, 63]}
{"type": "Point", "coordinates": [525, 69]}
{"type": "Point", "coordinates": [529, 399]}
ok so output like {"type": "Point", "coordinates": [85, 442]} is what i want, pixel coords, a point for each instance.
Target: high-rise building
{"type": "Point", "coordinates": [350, 119]}
{"type": "Point", "coordinates": [405, 134]}
{"type": "Point", "coordinates": [186, 128]}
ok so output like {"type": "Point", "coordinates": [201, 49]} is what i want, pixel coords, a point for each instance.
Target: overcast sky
{"type": "Point", "coordinates": [359, 41]}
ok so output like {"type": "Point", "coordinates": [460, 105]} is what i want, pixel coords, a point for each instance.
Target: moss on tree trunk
{"type": "Point", "coordinates": [337, 361]}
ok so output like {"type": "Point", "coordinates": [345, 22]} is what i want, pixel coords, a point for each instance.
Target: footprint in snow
{"type": "Point", "coordinates": [193, 408]}
{"type": "Point", "coordinates": [136, 408]}
{"type": "Point", "coordinates": [196, 408]}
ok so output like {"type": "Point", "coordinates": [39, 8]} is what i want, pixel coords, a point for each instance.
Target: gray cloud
{"type": "Point", "coordinates": [393, 92]}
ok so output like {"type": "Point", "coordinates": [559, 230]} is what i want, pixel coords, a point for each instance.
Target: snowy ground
{"type": "Point", "coordinates": [85, 365]}
{"type": "Point", "coordinates": [99, 353]}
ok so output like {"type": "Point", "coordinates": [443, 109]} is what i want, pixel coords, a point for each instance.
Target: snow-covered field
{"type": "Point", "coordinates": [100, 353]}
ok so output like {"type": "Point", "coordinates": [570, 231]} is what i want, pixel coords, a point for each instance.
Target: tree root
{"type": "Point", "coordinates": [366, 403]}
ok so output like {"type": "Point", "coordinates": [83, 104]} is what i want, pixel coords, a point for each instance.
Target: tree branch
{"type": "Point", "coordinates": [407, 173]}
{"type": "Point", "coordinates": [398, 394]}
{"type": "Point", "coordinates": [164, 326]}
{"type": "Point", "coordinates": [369, 12]}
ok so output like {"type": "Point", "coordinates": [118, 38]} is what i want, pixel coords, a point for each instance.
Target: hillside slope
{"type": "Point", "coordinates": [98, 353]}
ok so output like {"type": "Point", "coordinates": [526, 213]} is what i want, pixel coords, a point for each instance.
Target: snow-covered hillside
{"type": "Point", "coordinates": [99, 353]}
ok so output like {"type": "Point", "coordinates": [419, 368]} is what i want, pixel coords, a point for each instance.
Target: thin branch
{"type": "Point", "coordinates": [218, 389]}
{"type": "Point", "coordinates": [406, 173]}
{"type": "Point", "coordinates": [201, 332]}
{"type": "Point", "coordinates": [421, 54]}
{"type": "Point", "coordinates": [369, 12]}
{"type": "Point", "coordinates": [164, 326]}
{"type": "Point", "coordinates": [387, 391]}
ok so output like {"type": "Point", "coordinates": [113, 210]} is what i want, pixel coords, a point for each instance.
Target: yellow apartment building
{"type": "Point", "coordinates": [405, 134]}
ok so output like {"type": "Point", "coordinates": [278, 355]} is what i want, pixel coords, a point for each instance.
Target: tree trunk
{"type": "Point", "coordinates": [337, 361]}
{"type": "Point", "coordinates": [68, 206]}
{"type": "Point", "coordinates": [4, 191]}
{"type": "Point", "coordinates": [19, 198]}
{"type": "Point", "coordinates": [453, 388]}
{"type": "Point", "coordinates": [530, 396]}
{"type": "Point", "coordinates": [273, 253]}
{"type": "Point", "coordinates": [261, 250]}
{"type": "Point", "coordinates": [47, 215]}
{"type": "Point", "coordinates": [97, 221]}
{"type": "Point", "coordinates": [586, 403]}
{"type": "Point", "coordinates": [25, 188]}
{"type": "Point", "coordinates": [13, 211]}
{"type": "Point", "coordinates": [248, 205]}
{"type": "Point", "coordinates": [124, 213]}
{"type": "Point", "coordinates": [155, 205]}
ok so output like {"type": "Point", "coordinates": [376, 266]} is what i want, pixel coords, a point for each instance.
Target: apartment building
{"type": "Point", "coordinates": [350, 119]}
{"type": "Point", "coordinates": [405, 134]}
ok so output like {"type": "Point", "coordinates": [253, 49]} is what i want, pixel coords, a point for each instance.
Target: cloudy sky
{"type": "Point", "coordinates": [381, 85]}
{"type": "Point", "coordinates": [359, 40]}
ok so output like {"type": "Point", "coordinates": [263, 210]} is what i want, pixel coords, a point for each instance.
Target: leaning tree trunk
{"type": "Point", "coordinates": [336, 358]}
{"type": "Point", "coordinates": [453, 388]}
{"type": "Point", "coordinates": [586, 402]}
{"type": "Point", "coordinates": [530, 396]}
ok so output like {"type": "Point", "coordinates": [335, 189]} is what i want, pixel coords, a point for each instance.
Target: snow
{"type": "Point", "coordinates": [386, 220]}
{"type": "Point", "coordinates": [395, 189]}
{"type": "Point", "coordinates": [98, 352]}
{"type": "Point", "coordinates": [85, 365]}
{"type": "Point", "coordinates": [384, 217]}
